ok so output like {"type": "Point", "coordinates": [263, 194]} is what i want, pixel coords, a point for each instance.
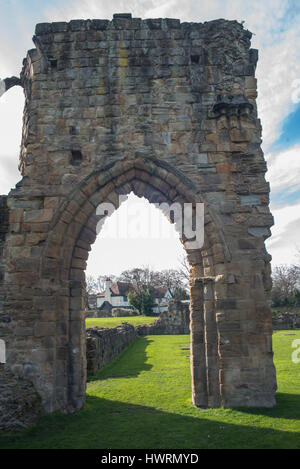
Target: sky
{"type": "Point", "coordinates": [275, 25]}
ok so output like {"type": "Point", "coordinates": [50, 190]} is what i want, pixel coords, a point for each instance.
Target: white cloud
{"type": "Point", "coordinates": [87, 9]}
{"type": "Point", "coordinates": [284, 170]}
{"type": "Point", "coordinates": [278, 68]}
{"type": "Point", "coordinates": [285, 242]}
{"type": "Point", "coordinates": [9, 174]}
{"type": "Point", "coordinates": [11, 112]}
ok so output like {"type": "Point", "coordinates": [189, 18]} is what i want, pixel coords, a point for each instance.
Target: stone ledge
{"type": "Point", "coordinates": [125, 20]}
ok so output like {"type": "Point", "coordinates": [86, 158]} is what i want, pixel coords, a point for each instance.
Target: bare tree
{"type": "Point", "coordinates": [184, 269]}
{"type": "Point", "coordinates": [142, 276]}
{"type": "Point", "coordinates": [90, 289]}
{"type": "Point", "coordinates": [146, 277]}
{"type": "Point", "coordinates": [286, 280]}
{"type": "Point", "coordinates": [173, 280]}
{"type": "Point", "coordinates": [91, 285]}
{"type": "Point", "coordinates": [298, 258]}
{"type": "Point", "coordinates": [101, 281]}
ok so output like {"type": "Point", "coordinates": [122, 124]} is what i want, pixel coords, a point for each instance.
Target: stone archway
{"type": "Point", "coordinates": [74, 230]}
{"type": "Point", "coordinates": [106, 114]}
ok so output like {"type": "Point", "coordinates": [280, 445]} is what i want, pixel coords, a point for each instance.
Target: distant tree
{"type": "Point", "coordinates": [286, 281]}
{"type": "Point", "coordinates": [141, 276]}
{"type": "Point", "coordinates": [142, 299]}
{"type": "Point", "coordinates": [184, 269]}
{"type": "Point", "coordinates": [90, 289]}
{"type": "Point", "coordinates": [172, 279]}
{"type": "Point", "coordinates": [101, 281]}
{"type": "Point", "coordinates": [180, 294]}
{"type": "Point", "coordinates": [146, 277]}
{"type": "Point", "coordinates": [296, 297]}
{"type": "Point", "coordinates": [91, 284]}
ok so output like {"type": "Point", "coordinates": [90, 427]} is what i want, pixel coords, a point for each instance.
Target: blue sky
{"type": "Point", "coordinates": [276, 28]}
{"type": "Point", "coordinates": [290, 131]}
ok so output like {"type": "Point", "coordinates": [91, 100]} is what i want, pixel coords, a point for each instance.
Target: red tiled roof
{"type": "Point", "coordinates": [119, 289]}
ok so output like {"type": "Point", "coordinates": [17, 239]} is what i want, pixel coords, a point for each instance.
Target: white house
{"type": "Point", "coordinates": [162, 296]}
{"type": "Point", "coordinates": [115, 295]}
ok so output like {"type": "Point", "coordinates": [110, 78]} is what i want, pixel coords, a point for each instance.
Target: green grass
{"type": "Point", "coordinates": [113, 322]}
{"type": "Point", "coordinates": [143, 400]}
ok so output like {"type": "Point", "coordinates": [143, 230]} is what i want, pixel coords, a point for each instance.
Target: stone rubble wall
{"type": "Point", "coordinates": [115, 313]}
{"type": "Point", "coordinates": [19, 401]}
{"type": "Point", "coordinates": [174, 321]}
{"type": "Point", "coordinates": [103, 344]}
{"type": "Point", "coordinates": [286, 321]}
{"type": "Point", "coordinates": [122, 312]}
{"type": "Point", "coordinates": [20, 406]}
{"type": "Point", "coordinates": [98, 314]}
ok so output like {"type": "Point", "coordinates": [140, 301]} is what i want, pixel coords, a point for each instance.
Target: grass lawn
{"type": "Point", "coordinates": [113, 322]}
{"type": "Point", "coordinates": [143, 400]}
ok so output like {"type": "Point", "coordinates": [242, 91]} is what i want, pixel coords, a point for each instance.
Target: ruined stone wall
{"type": "Point", "coordinates": [166, 110]}
{"type": "Point", "coordinates": [4, 319]}
{"type": "Point", "coordinates": [20, 405]}
{"type": "Point", "coordinates": [3, 231]}
{"type": "Point", "coordinates": [104, 344]}
{"type": "Point", "coordinates": [176, 320]}
{"type": "Point", "coordinates": [286, 321]}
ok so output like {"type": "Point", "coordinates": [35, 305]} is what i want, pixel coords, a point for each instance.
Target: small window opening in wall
{"type": "Point", "coordinates": [2, 351]}
{"type": "Point", "coordinates": [73, 130]}
{"type": "Point", "coordinates": [76, 157]}
{"type": "Point", "coordinates": [195, 59]}
{"type": "Point", "coordinates": [53, 63]}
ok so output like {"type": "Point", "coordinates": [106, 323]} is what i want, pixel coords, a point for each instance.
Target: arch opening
{"type": "Point", "coordinates": [222, 310]}
{"type": "Point", "coordinates": [71, 238]}
{"type": "Point", "coordinates": [136, 235]}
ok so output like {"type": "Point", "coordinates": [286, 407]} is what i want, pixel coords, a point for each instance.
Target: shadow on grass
{"type": "Point", "coordinates": [288, 407]}
{"type": "Point", "coordinates": [107, 424]}
{"type": "Point", "coordinates": [129, 368]}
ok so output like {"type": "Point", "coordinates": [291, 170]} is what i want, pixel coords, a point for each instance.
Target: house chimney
{"type": "Point", "coordinates": [108, 284]}
{"type": "Point", "coordinates": [134, 281]}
